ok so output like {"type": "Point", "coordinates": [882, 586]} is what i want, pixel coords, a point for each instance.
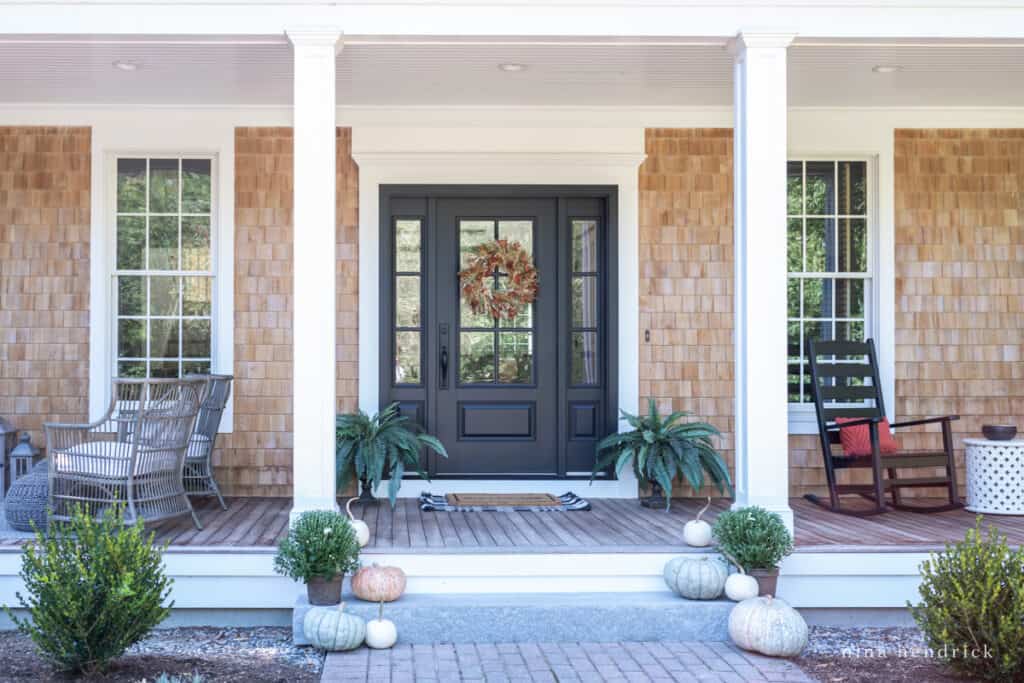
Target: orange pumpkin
{"type": "Point", "coordinates": [376, 583]}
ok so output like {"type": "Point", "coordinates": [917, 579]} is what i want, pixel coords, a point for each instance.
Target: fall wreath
{"type": "Point", "coordinates": [519, 288]}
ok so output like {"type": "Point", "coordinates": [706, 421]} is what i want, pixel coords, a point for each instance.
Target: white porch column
{"type": "Point", "coordinates": [762, 457]}
{"type": "Point", "coordinates": [313, 327]}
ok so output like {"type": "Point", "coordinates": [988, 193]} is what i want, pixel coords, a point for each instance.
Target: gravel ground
{"type": "Point", "coordinates": [885, 655]}
{"type": "Point", "coordinates": [217, 654]}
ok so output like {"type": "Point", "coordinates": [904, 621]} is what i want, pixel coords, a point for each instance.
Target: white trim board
{"type": "Point", "coordinates": [483, 156]}
{"type": "Point", "coordinates": [903, 19]}
{"type": "Point", "coordinates": [244, 578]}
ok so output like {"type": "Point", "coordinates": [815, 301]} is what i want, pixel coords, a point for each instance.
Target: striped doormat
{"type": "Point", "coordinates": [502, 502]}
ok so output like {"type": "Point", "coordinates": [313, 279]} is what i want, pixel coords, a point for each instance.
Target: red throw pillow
{"type": "Point", "coordinates": [856, 440]}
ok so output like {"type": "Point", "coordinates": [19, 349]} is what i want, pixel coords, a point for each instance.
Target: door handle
{"type": "Point", "coordinates": [443, 343]}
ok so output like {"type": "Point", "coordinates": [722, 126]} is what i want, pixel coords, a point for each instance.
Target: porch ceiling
{"type": "Point", "coordinates": [460, 71]}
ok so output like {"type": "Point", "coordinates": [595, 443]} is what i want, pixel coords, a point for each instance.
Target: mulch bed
{"type": "Point", "coordinates": [217, 654]}
{"type": "Point", "coordinates": [883, 655]}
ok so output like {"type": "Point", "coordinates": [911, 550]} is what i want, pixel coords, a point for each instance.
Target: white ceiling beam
{"type": "Point", "coordinates": [906, 19]}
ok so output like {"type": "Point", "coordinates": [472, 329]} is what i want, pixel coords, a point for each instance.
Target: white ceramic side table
{"type": "Point", "coordinates": [995, 476]}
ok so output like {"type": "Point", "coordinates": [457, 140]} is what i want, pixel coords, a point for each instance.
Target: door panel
{"type": "Point", "coordinates": [528, 397]}
{"type": "Point", "coordinates": [498, 414]}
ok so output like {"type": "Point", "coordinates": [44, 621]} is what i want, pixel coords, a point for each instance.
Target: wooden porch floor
{"type": "Point", "coordinates": [611, 526]}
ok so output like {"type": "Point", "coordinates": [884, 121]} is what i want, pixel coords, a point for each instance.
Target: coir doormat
{"type": "Point", "coordinates": [503, 502]}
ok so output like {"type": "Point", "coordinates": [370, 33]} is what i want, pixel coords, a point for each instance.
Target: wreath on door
{"type": "Point", "coordinates": [519, 289]}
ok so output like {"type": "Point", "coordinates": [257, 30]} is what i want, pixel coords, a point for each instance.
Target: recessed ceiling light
{"type": "Point", "coordinates": [887, 68]}
{"type": "Point", "coordinates": [512, 67]}
{"type": "Point", "coordinates": [125, 66]}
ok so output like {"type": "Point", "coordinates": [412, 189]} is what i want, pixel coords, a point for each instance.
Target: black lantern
{"type": "Point", "coordinates": [8, 439]}
{"type": "Point", "coordinates": [22, 457]}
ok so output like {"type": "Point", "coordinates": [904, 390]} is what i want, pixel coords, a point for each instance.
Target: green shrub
{"type": "Point", "coordinates": [972, 606]}
{"type": "Point", "coordinates": [95, 587]}
{"type": "Point", "coordinates": [753, 537]}
{"type": "Point", "coordinates": [320, 543]}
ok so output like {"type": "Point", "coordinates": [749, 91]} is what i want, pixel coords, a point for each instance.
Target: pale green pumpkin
{"type": "Point", "coordinates": [696, 578]}
{"type": "Point", "coordinates": [331, 629]}
{"type": "Point", "coordinates": [769, 626]}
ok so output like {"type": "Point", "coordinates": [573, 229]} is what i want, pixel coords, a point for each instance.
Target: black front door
{"type": "Point", "coordinates": [522, 398]}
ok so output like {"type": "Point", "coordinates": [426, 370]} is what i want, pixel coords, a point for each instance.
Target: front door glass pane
{"type": "Point", "coordinates": [408, 285]}
{"type": "Point", "coordinates": [476, 357]}
{"type": "Point", "coordinates": [515, 357]}
{"type": "Point", "coordinates": [487, 356]}
{"type": "Point", "coordinates": [584, 300]}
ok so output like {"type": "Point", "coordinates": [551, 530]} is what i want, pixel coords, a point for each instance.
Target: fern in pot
{"type": "Point", "coordinates": [386, 444]}
{"type": "Point", "coordinates": [662, 449]}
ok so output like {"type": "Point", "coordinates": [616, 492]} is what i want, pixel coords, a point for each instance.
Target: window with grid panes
{"type": "Point", "coordinates": [829, 284]}
{"type": "Point", "coordinates": [163, 271]}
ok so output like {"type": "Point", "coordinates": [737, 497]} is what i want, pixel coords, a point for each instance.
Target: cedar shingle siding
{"type": "Point", "coordinates": [959, 279]}
{"type": "Point", "coordinates": [686, 274]}
{"type": "Point", "coordinates": [959, 282]}
{"type": "Point", "coordinates": [959, 286]}
{"type": "Point", "coordinates": [44, 275]}
{"type": "Point", "coordinates": [257, 458]}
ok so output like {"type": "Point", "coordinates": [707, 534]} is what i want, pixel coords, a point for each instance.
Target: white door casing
{"type": "Point", "coordinates": [501, 157]}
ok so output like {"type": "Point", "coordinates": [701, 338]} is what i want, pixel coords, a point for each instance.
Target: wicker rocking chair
{"type": "Point", "coordinates": [199, 479]}
{"type": "Point", "coordinates": [134, 456]}
{"type": "Point", "coordinates": [850, 390]}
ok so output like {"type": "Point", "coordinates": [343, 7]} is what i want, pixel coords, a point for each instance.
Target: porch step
{"type": "Point", "coordinates": [542, 617]}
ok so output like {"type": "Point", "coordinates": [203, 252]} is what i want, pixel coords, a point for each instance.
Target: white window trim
{"type": "Point", "coordinates": [103, 262]}
{"type": "Point", "coordinates": [881, 273]}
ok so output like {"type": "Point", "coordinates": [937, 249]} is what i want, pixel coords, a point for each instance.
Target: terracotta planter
{"type": "Point", "coordinates": [324, 591]}
{"type": "Point", "coordinates": [767, 580]}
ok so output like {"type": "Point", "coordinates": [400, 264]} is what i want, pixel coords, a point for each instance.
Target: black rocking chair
{"type": "Point", "coordinates": [845, 384]}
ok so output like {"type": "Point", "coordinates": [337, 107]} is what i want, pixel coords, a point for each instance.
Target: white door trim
{"type": "Point", "coordinates": [502, 157]}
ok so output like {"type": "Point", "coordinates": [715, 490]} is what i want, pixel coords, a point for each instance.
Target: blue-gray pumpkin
{"type": "Point", "coordinates": [331, 629]}
{"type": "Point", "coordinates": [696, 578]}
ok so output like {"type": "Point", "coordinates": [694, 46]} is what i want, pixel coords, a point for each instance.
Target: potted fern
{"type": "Point", "coordinates": [662, 449]}
{"type": "Point", "coordinates": [369, 448]}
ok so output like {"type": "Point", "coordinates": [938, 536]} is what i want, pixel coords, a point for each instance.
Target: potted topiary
{"type": "Point", "coordinates": [755, 540]}
{"type": "Point", "coordinates": [368, 448]}
{"type": "Point", "coordinates": [320, 548]}
{"type": "Point", "coordinates": [662, 449]}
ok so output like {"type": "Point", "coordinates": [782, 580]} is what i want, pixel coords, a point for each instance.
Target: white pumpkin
{"type": "Point", "coordinates": [740, 587]}
{"type": "Point", "coordinates": [769, 626]}
{"type": "Point", "coordinates": [358, 525]}
{"type": "Point", "coordinates": [696, 578]}
{"type": "Point", "coordinates": [380, 632]}
{"type": "Point", "coordinates": [697, 532]}
{"type": "Point", "coordinates": [331, 629]}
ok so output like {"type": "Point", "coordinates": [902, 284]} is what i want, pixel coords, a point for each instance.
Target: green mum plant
{"type": "Point", "coordinates": [368, 447]}
{"type": "Point", "coordinates": [319, 544]}
{"type": "Point", "coordinates": [95, 587]}
{"type": "Point", "coordinates": [972, 606]}
{"type": "Point", "coordinates": [753, 537]}
{"type": "Point", "coordinates": [663, 449]}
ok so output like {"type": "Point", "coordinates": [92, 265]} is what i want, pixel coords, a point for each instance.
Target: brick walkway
{"type": "Point", "coordinates": [557, 662]}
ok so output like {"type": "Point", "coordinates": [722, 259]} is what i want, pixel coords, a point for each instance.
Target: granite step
{"type": "Point", "coordinates": [542, 617]}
